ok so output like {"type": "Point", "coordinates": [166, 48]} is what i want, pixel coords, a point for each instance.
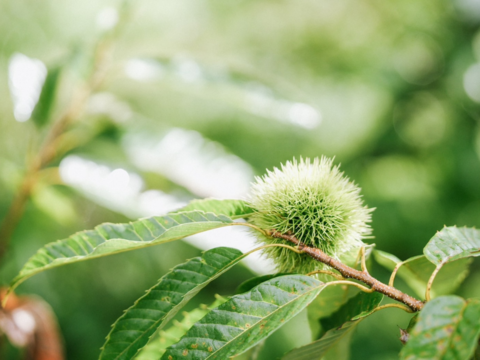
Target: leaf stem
{"type": "Point", "coordinates": [394, 273]}
{"type": "Point", "coordinates": [348, 272]}
{"type": "Point", "coordinates": [399, 306]}
{"type": "Point", "coordinates": [364, 263]}
{"type": "Point", "coordinates": [431, 279]}
{"type": "Point", "coordinates": [351, 283]}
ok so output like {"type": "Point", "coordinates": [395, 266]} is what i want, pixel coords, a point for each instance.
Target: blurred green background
{"type": "Point", "coordinates": [198, 97]}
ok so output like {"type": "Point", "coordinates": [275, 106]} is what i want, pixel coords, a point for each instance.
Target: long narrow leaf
{"type": "Point", "coordinates": [163, 301]}
{"type": "Point", "coordinates": [108, 239]}
{"type": "Point", "coordinates": [246, 319]}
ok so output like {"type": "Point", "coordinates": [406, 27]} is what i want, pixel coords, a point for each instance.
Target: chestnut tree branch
{"type": "Point", "coordinates": [350, 273]}
{"type": "Point", "coordinates": [50, 149]}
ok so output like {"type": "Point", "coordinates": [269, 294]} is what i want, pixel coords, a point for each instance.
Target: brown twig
{"type": "Point", "coordinates": [50, 148]}
{"type": "Point", "coordinates": [45, 156]}
{"type": "Point", "coordinates": [348, 272]}
{"type": "Point", "coordinates": [47, 153]}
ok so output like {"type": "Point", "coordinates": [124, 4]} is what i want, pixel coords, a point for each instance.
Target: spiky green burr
{"type": "Point", "coordinates": [314, 201]}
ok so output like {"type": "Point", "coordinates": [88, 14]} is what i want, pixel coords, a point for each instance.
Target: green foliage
{"type": "Point", "coordinates": [416, 272]}
{"type": "Point", "coordinates": [389, 89]}
{"type": "Point", "coordinates": [447, 328]}
{"type": "Point", "coordinates": [452, 243]}
{"type": "Point", "coordinates": [246, 319]}
{"type": "Point", "coordinates": [339, 325]}
{"type": "Point", "coordinates": [109, 239]}
{"type": "Point", "coordinates": [152, 311]}
{"type": "Point", "coordinates": [355, 308]}
{"type": "Point", "coordinates": [314, 201]}
{"type": "Point", "coordinates": [42, 113]}
{"type": "Point", "coordinates": [325, 304]}
{"type": "Point", "coordinates": [333, 297]}
{"type": "Point", "coordinates": [251, 283]}
{"type": "Point", "coordinates": [159, 342]}
{"type": "Point", "coordinates": [234, 209]}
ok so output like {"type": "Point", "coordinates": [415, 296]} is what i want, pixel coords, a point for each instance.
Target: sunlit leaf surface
{"type": "Point", "coordinates": [108, 239]}
{"type": "Point", "coordinates": [246, 319]}
{"type": "Point", "coordinates": [234, 209]}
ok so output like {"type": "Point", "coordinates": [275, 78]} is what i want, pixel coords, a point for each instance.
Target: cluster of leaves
{"type": "Point", "coordinates": [447, 327]}
{"type": "Point", "coordinates": [399, 160]}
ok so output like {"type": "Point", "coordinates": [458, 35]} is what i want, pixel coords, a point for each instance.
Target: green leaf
{"type": "Point", "coordinates": [334, 296]}
{"type": "Point", "coordinates": [234, 209]}
{"type": "Point", "coordinates": [355, 307]}
{"type": "Point", "coordinates": [477, 352]}
{"type": "Point", "coordinates": [326, 304]}
{"type": "Point", "coordinates": [159, 342]}
{"type": "Point", "coordinates": [452, 243]}
{"type": "Point", "coordinates": [340, 324]}
{"type": "Point", "coordinates": [246, 319]}
{"type": "Point", "coordinates": [163, 301]}
{"type": "Point", "coordinates": [341, 349]}
{"type": "Point", "coordinates": [42, 111]}
{"type": "Point", "coordinates": [413, 321]}
{"type": "Point", "coordinates": [251, 283]}
{"type": "Point", "coordinates": [414, 274]}
{"type": "Point", "coordinates": [108, 239]}
{"type": "Point", "coordinates": [448, 327]}
{"type": "Point", "coordinates": [417, 270]}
